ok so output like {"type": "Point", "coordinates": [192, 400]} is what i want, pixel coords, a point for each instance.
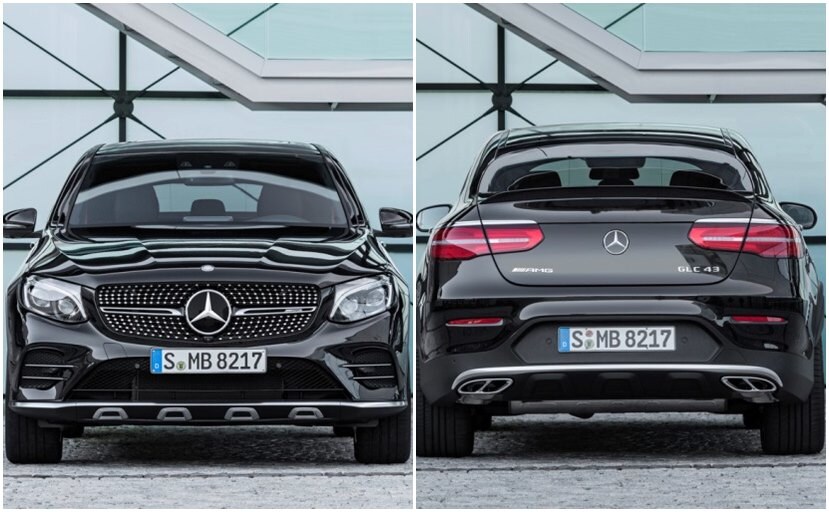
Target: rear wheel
{"type": "Point", "coordinates": [343, 431]}
{"type": "Point", "coordinates": [753, 419]}
{"type": "Point", "coordinates": [483, 421]}
{"type": "Point", "coordinates": [389, 442]}
{"type": "Point", "coordinates": [29, 443]}
{"type": "Point", "coordinates": [443, 431]}
{"type": "Point", "coordinates": [797, 428]}
{"type": "Point", "coordinates": [73, 431]}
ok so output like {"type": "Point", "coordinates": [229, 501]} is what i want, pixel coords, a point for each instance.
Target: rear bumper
{"type": "Point", "coordinates": [146, 413]}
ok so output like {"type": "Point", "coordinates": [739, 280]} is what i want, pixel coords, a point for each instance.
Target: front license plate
{"type": "Point", "coordinates": [616, 339]}
{"type": "Point", "coordinates": [165, 360]}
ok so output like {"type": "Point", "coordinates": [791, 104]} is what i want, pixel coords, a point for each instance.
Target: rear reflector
{"type": "Point", "coordinates": [465, 242]}
{"type": "Point", "coordinates": [476, 322]}
{"type": "Point", "coordinates": [768, 240]}
{"type": "Point", "coordinates": [757, 319]}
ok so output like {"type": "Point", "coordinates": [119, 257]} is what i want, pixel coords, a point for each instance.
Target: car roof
{"type": "Point", "coordinates": [207, 146]}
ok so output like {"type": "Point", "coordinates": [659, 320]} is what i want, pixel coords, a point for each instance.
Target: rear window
{"type": "Point", "coordinates": [208, 190]}
{"type": "Point", "coordinates": [615, 165]}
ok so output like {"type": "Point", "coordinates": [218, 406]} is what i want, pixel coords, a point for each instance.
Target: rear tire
{"type": "Point", "coordinates": [443, 431]}
{"type": "Point", "coordinates": [73, 431]}
{"type": "Point", "coordinates": [390, 442]}
{"type": "Point", "coordinates": [29, 443]}
{"type": "Point", "coordinates": [483, 421]}
{"type": "Point", "coordinates": [753, 420]}
{"type": "Point", "coordinates": [343, 431]}
{"type": "Point", "coordinates": [797, 428]}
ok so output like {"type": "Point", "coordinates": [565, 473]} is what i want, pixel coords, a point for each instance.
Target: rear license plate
{"type": "Point", "coordinates": [165, 360]}
{"type": "Point", "coordinates": [616, 339]}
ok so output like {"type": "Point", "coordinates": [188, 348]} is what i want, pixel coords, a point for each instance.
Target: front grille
{"type": "Point", "coordinates": [371, 366]}
{"type": "Point", "coordinates": [130, 379]}
{"type": "Point", "coordinates": [156, 311]}
{"type": "Point", "coordinates": [43, 368]}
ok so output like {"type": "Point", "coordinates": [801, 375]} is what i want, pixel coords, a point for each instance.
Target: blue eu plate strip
{"type": "Point", "coordinates": [155, 360]}
{"type": "Point", "coordinates": [564, 339]}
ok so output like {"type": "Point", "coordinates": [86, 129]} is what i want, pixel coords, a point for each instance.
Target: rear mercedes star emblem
{"type": "Point", "coordinates": [616, 242]}
{"type": "Point", "coordinates": [207, 312]}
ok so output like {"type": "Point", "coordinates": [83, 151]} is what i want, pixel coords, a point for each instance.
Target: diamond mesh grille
{"type": "Point", "coordinates": [160, 327]}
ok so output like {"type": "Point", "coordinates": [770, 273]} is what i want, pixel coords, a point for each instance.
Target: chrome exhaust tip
{"type": "Point", "coordinates": [751, 388]}
{"type": "Point", "coordinates": [478, 391]}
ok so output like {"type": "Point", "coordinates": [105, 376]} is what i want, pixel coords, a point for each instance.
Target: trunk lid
{"type": "Point", "coordinates": [615, 241]}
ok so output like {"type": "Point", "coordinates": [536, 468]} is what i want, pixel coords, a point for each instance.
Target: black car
{"type": "Point", "coordinates": [618, 268]}
{"type": "Point", "coordinates": [208, 283]}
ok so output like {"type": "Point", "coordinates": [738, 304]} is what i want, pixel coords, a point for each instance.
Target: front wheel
{"type": "Point", "coordinates": [29, 443]}
{"type": "Point", "coordinates": [797, 428]}
{"type": "Point", "coordinates": [389, 442]}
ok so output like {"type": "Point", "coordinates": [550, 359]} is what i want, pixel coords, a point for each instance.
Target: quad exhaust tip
{"type": "Point", "coordinates": [753, 389]}
{"type": "Point", "coordinates": [484, 387]}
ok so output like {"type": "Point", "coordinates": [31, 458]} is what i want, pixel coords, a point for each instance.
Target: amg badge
{"type": "Point", "coordinates": [532, 270]}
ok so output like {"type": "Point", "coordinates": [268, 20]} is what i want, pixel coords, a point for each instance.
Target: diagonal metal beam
{"type": "Point", "coordinates": [240, 27]}
{"type": "Point", "coordinates": [453, 63]}
{"type": "Point", "coordinates": [142, 123]}
{"type": "Point", "coordinates": [58, 152]}
{"type": "Point", "coordinates": [50, 54]}
{"type": "Point", "coordinates": [447, 139]}
{"type": "Point", "coordinates": [556, 61]}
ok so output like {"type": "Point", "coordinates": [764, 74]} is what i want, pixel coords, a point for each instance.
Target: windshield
{"type": "Point", "coordinates": [207, 191]}
{"type": "Point", "coordinates": [617, 165]}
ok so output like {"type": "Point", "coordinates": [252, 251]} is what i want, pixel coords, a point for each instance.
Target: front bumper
{"type": "Point", "coordinates": [178, 413]}
{"type": "Point", "coordinates": [134, 396]}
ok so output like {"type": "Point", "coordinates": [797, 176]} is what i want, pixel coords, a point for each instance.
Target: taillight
{"type": "Point", "coordinates": [770, 240]}
{"type": "Point", "coordinates": [465, 242]}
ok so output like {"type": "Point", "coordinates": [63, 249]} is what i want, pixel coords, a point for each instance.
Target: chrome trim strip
{"type": "Point", "coordinates": [741, 220]}
{"type": "Point", "coordinates": [569, 368]}
{"type": "Point", "coordinates": [331, 403]}
{"type": "Point", "coordinates": [489, 223]}
{"type": "Point", "coordinates": [287, 310]}
{"type": "Point", "coordinates": [366, 365]}
{"type": "Point", "coordinates": [142, 311]}
{"type": "Point", "coordinates": [56, 379]}
{"type": "Point", "coordinates": [38, 365]}
{"type": "Point", "coordinates": [374, 377]}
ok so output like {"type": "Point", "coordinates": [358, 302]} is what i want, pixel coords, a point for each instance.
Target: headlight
{"type": "Point", "coordinates": [361, 298]}
{"type": "Point", "coordinates": [54, 299]}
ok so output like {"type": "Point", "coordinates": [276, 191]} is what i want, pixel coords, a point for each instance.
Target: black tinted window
{"type": "Point", "coordinates": [198, 190]}
{"type": "Point", "coordinates": [601, 165]}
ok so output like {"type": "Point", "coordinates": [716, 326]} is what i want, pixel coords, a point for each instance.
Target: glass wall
{"type": "Point", "coordinates": [671, 27]}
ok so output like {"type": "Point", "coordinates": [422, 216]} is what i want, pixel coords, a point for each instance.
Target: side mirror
{"type": "Point", "coordinates": [428, 217]}
{"type": "Point", "coordinates": [800, 213]}
{"type": "Point", "coordinates": [20, 224]}
{"type": "Point", "coordinates": [395, 223]}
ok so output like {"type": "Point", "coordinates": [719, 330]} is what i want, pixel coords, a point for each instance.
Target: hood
{"type": "Point", "coordinates": [99, 260]}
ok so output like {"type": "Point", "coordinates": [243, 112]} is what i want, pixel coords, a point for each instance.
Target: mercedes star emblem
{"type": "Point", "coordinates": [207, 312]}
{"type": "Point", "coordinates": [616, 242]}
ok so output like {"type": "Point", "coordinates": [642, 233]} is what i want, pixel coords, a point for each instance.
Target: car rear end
{"type": "Point", "coordinates": [601, 295]}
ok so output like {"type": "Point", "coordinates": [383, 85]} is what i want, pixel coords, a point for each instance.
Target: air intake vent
{"type": "Point", "coordinates": [43, 368]}
{"type": "Point", "coordinates": [371, 366]}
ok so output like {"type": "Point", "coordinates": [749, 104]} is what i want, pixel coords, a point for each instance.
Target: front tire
{"type": "Point", "coordinates": [73, 431]}
{"type": "Point", "coordinates": [443, 431]}
{"type": "Point", "coordinates": [29, 443]}
{"type": "Point", "coordinates": [390, 442]}
{"type": "Point", "coordinates": [797, 428]}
